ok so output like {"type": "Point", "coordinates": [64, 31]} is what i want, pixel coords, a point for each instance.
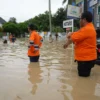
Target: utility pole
{"type": "Point", "coordinates": [85, 5]}
{"type": "Point", "coordinates": [50, 16]}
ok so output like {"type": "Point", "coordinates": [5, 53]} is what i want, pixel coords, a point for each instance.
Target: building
{"type": "Point", "coordinates": [2, 21]}
{"type": "Point", "coordinates": [93, 6]}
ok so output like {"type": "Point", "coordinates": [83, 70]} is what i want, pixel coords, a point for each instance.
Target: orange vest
{"type": "Point", "coordinates": [35, 42]}
{"type": "Point", "coordinates": [85, 43]}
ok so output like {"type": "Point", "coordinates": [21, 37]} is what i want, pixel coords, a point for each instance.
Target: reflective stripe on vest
{"type": "Point", "coordinates": [36, 47]}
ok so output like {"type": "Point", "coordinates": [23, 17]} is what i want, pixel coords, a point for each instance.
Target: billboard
{"type": "Point", "coordinates": [78, 1]}
{"type": "Point", "coordinates": [73, 11]}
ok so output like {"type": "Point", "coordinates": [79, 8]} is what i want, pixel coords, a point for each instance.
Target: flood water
{"type": "Point", "coordinates": [53, 78]}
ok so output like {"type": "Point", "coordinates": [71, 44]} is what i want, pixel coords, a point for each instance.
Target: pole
{"type": "Point", "coordinates": [85, 5]}
{"type": "Point", "coordinates": [50, 16]}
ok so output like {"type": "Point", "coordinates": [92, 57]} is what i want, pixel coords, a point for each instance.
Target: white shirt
{"type": "Point", "coordinates": [5, 37]}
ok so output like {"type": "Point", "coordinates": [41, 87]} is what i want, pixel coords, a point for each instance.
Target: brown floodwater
{"type": "Point", "coordinates": [53, 78]}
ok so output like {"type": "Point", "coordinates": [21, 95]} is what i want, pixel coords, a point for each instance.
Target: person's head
{"type": "Point", "coordinates": [31, 27]}
{"type": "Point", "coordinates": [86, 17]}
{"type": "Point", "coordinates": [50, 35]}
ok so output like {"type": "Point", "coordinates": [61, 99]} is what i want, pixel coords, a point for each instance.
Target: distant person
{"type": "Point", "coordinates": [85, 45]}
{"type": "Point", "coordinates": [44, 34]}
{"type": "Point", "coordinates": [50, 38]}
{"type": "Point", "coordinates": [56, 35]}
{"type": "Point", "coordinates": [35, 42]}
{"type": "Point", "coordinates": [13, 39]}
{"type": "Point", "coordinates": [10, 37]}
{"type": "Point", "coordinates": [5, 38]}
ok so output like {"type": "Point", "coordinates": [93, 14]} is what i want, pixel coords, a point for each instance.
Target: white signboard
{"type": "Point", "coordinates": [93, 2]}
{"type": "Point", "coordinates": [68, 23]}
{"type": "Point", "coordinates": [73, 11]}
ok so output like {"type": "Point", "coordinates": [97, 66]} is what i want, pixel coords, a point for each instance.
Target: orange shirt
{"type": "Point", "coordinates": [85, 43]}
{"type": "Point", "coordinates": [35, 42]}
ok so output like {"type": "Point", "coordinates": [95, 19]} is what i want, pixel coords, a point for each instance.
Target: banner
{"type": "Point", "coordinates": [73, 11]}
{"type": "Point", "coordinates": [78, 1]}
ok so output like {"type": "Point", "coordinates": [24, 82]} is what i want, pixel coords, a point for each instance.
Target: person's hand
{"type": "Point", "coordinates": [65, 46]}
{"type": "Point", "coordinates": [69, 35]}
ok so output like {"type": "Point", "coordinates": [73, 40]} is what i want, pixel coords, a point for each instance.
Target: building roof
{"type": "Point", "coordinates": [2, 21]}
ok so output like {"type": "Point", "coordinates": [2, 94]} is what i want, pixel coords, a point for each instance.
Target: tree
{"type": "Point", "coordinates": [41, 21]}
{"type": "Point", "coordinates": [11, 28]}
{"type": "Point", "coordinates": [12, 19]}
{"type": "Point", "coordinates": [57, 29]}
{"type": "Point", "coordinates": [59, 17]}
{"type": "Point", "coordinates": [1, 29]}
{"type": "Point", "coordinates": [22, 27]}
{"type": "Point", "coordinates": [69, 1]}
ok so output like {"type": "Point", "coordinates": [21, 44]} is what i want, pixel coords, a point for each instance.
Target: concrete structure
{"type": "Point", "coordinates": [93, 8]}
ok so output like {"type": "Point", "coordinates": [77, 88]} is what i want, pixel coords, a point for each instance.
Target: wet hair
{"type": "Point", "coordinates": [31, 26]}
{"type": "Point", "coordinates": [87, 15]}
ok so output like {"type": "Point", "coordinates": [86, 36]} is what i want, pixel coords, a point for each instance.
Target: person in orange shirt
{"type": "Point", "coordinates": [10, 37]}
{"type": "Point", "coordinates": [85, 45]}
{"type": "Point", "coordinates": [35, 42]}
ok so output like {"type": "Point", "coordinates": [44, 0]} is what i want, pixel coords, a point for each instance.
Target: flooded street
{"type": "Point", "coordinates": [53, 78]}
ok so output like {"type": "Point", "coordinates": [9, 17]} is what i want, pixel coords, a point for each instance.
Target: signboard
{"type": "Point", "coordinates": [68, 23]}
{"type": "Point", "coordinates": [73, 11]}
{"type": "Point", "coordinates": [78, 1]}
{"type": "Point", "coordinates": [92, 2]}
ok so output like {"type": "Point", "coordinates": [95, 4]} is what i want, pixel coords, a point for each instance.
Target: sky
{"type": "Point", "coordinates": [25, 9]}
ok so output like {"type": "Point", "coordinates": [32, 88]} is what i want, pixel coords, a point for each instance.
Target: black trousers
{"type": "Point", "coordinates": [84, 67]}
{"type": "Point", "coordinates": [34, 58]}
{"type": "Point", "coordinates": [5, 41]}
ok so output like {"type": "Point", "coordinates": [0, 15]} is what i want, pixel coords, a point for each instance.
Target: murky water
{"type": "Point", "coordinates": [53, 78]}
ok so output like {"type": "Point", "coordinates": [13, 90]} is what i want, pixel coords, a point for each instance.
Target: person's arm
{"type": "Point", "coordinates": [80, 35]}
{"type": "Point", "coordinates": [69, 41]}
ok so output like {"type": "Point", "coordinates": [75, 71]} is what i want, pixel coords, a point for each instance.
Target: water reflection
{"type": "Point", "coordinates": [84, 89]}
{"type": "Point", "coordinates": [34, 76]}
{"type": "Point", "coordinates": [53, 78]}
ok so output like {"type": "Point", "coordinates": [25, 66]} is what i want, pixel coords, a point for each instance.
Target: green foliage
{"type": "Point", "coordinates": [69, 1]}
{"type": "Point", "coordinates": [15, 29]}
{"type": "Point", "coordinates": [11, 28]}
{"type": "Point", "coordinates": [1, 34]}
{"type": "Point", "coordinates": [59, 17]}
{"type": "Point", "coordinates": [1, 29]}
{"type": "Point", "coordinates": [22, 27]}
{"type": "Point", "coordinates": [77, 23]}
{"type": "Point", "coordinates": [57, 29]}
{"type": "Point", "coordinates": [41, 21]}
{"type": "Point", "coordinates": [12, 20]}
